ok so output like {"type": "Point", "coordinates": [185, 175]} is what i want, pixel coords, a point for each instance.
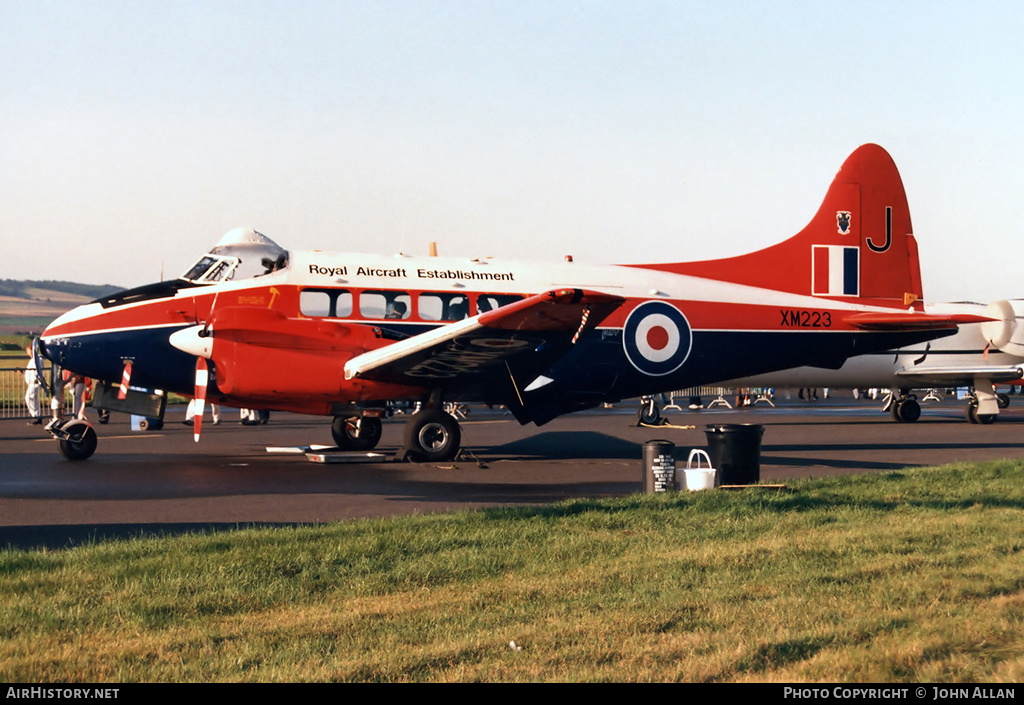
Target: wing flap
{"type": "Point", "coordinates": [545, 324]}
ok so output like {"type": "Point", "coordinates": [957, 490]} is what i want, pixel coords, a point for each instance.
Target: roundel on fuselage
{"type": "Point", "coordinates": [656, 338]}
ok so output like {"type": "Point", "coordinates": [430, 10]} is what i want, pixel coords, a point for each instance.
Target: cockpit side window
{"type": "Point", "coordinates": [272, 264]}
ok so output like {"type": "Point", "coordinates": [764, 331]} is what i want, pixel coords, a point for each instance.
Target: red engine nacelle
{"type": "Point", "coordinates": [262, 354]}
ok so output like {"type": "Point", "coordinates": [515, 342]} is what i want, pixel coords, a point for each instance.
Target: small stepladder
{"type": "Point", "coordinates": [720, 400]}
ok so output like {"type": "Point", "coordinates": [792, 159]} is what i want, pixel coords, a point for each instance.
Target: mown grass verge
{"type": "Point", "coordinates": [909, 576]}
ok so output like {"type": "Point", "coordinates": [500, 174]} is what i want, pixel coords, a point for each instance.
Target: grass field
{"type": "Point", "coordinates": [909, 576]}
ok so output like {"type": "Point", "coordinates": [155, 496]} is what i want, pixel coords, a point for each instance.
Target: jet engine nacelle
{"type": "Point", "coordinates": [1006, 332]}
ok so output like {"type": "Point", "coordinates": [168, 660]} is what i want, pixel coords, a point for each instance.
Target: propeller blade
{"type": "Point", "coordinates": [202, 377]}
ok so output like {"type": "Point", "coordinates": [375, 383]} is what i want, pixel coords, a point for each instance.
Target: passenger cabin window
{"type": "Point", "coordinates": [490, 302]}
{"type": "Point", "coordinates": [325, 303]}
{"type": "Point", "coordinates": [443, 307]}
{"type": "Point", "coordinates": [391, 305]}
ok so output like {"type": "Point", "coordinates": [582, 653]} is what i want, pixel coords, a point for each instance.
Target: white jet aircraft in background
{"type": "Point", "coordinates": [979, 356]}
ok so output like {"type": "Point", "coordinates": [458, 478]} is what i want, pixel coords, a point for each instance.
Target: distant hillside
{"type": "Point", "coordinates": [27, 307]}
{"type": "Point", "coordinates": [30, 289]}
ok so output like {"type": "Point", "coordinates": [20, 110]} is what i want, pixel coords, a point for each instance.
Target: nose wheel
{"type": "Point", "coordinates": [76, 439]}
{"type": "Point", "coordinates": [432, 435]}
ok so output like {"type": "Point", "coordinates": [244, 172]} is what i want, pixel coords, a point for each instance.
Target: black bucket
{"type": "Point", "coordinates": [735, 452]}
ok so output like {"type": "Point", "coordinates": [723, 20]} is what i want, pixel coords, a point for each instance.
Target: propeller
{"type": "Point", "coordinates": [202, 378]}
{"type": "Point", "coordinates": [126, 378]}
{"type": "Point", "coordinates": [198, 340]}
{"type": "Point", "coordinates": [202, 369]}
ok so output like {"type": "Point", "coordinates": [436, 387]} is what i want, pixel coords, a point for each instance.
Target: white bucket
{"type": "Point", "coordinates": [697, 477]}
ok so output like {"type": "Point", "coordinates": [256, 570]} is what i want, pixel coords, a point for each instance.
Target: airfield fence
{"type": "Point", "coordinates": [680, 398]}
{"type": "Point", "coordinates": [12, 394]}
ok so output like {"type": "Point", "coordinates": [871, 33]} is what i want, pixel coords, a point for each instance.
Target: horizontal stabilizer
{"type": "Point", "coordinates": [910, 321]}
{"type": "Point", "coordinates": [930, 376]}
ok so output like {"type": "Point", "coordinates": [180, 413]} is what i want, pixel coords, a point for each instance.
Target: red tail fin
{"type": "Point", "coordinates": [860, 244]}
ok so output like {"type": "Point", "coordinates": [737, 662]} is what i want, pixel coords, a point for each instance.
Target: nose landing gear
{"type": "Point", "coordinates": [76, 438]}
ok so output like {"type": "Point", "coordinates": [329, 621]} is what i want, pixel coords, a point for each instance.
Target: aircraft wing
{"type": "Point", "coordinates": [948, 376]}
{"type": "Point", "coordinates": [519, 339]}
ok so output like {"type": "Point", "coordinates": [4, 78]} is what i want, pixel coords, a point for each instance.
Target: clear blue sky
{"type": "Point", "coordinates": [133, 134]}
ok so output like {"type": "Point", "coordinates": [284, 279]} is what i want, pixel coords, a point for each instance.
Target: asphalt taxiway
{"type": "Point", "coordinates": [161, 481]}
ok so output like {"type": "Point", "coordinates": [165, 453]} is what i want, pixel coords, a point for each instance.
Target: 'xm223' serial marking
{"type": "Point", "coordinates": [805, 319]}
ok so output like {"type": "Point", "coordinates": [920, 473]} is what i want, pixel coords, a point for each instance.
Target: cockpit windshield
{"type": "Point", "coordinates": [242, 253]}
{"type": "Point", "coordinates": [212, 269]}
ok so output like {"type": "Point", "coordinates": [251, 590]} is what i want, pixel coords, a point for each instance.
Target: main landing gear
{"type": "Point", "coordinates": [904, 408]}
{"type": "Point", "coordinates": [975, 402]}
{"type": "Point", "coordinates": [431, 435]}
{"type": "Point", "coordinates": [359, 433]}
{"type": "Point", "coordinates": [983, 405]}
{"type": "Point", "coordinates": [973, 416]}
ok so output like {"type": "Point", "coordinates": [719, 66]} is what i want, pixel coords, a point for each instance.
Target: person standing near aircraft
{"type": "Point", "coordinates": [78, 384]}
{"type": "Point", "coordinates": [190, 413]}
{"type": "Point", "coordinates": [253, 417]}
{"type": "Point", "coordinates": [32, 393]}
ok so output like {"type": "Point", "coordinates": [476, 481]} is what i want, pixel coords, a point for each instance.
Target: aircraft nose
{"type": "Point", "coordinates": [43, 347]}
{"type": "Point", "coordinates": [52, 349]}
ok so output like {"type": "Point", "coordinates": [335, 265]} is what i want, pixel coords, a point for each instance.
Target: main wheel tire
{"type": "Point", "coordinates": [351, 434]}
{"type": "Point", "coordinates": [907, 411]}
{"type": "Point", "coordinates": [80, 442]}
{"type": "Point", "coordinates": [432, 435]}
{"type": "Point", "coordinates": [974, 417]}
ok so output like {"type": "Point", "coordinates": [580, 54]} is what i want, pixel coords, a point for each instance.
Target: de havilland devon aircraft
{"type": "Point", "coordinates": [349, 335]}
{"type": "Point", "coordinates": [979, 356]}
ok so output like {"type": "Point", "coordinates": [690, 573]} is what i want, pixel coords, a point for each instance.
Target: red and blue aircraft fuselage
{"type": "Point", "coordinates": [342, 334]}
